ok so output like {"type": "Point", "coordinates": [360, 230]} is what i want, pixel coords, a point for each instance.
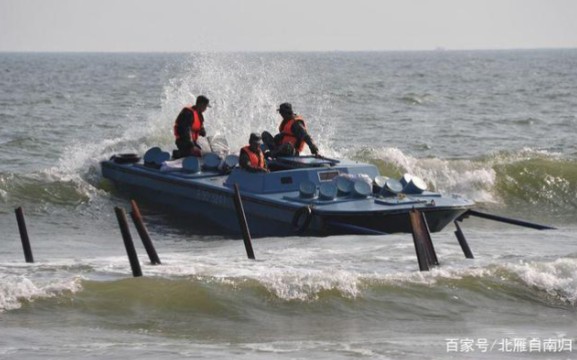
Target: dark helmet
{"type": "Point", "coordinates": [254, 139]}
{"type": "Point", "coordinates": [285, 108]}
{"type": "Point", "coordinates": [202, 100]}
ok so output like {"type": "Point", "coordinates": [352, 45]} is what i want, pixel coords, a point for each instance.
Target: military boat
{"type": "Point", "coordinates": [303, 195]}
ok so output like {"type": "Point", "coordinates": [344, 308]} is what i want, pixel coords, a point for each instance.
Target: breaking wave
{"type": "Point", "coordinates": [544, 181]}
{"type": "Point", "coordinates": [553, 282]}
{"type": "Point", "coordinates": [42, 189]}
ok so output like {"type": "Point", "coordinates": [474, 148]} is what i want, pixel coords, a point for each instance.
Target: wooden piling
{"type": "Point", "coordinates": [463, 241]}
{"type": "Point", "coordinates": [143, 233]}
{"type": "Point", "coordinates": [426, 255]}
{"type": "Point", "coordinates": [24, 235]}
{"type": "Point", "coordinates": [128, 244]}
{"type": "Point", "coordinates": [427, 241]}
{"type": "Point", "coordinates": [242, 222]}
{"type": "Point", "coordinates": [417, 239]}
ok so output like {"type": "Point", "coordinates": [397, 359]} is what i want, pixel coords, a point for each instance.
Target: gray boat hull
{"type": "Point", "coordinates": [272, 202]}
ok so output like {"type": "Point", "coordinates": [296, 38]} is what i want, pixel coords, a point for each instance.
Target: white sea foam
{"type": "Point", "coordinates": [295, 275]}
{"type": "Point", "coordinates": [557, 278]}
{"type": "Point", "coordinates": [475, 180]}
{"type": "Point", "coordinates": [308, 284]}
{"type": "Point", "coordinates": [16, 289]}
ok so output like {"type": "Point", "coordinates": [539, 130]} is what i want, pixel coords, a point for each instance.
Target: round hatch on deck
{"type": "Point", "coordinates": [328, 191]}
{"type": "Point", "coordinates": [362, 188]}
{"type": "Point", "coordinates": [415, 186]}
{"type": "Point", "coordinates": [344, 186]}
{"type": "Point", "coordinates": [307, 189]}
{"type": "Point", "coordinates": [391, 188]}
{"type": "Point", "coordinates": [210, 161]}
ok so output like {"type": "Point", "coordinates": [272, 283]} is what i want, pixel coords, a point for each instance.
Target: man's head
{"type": "Point", "coordinates": [202, 103]}
{"type": "Point", "coordinates": [285, 110]}
{"type": "Point", "coordinates": [254, 141]}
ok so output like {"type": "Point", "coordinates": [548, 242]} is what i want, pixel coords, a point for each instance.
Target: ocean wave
{"type": "Point", "coordinates": [558, 279]}
{"type": "Point", "coordinates": [542, 282]}
{"type": "Point", "coordinates": [16, 290]}
{"type": "Point", "coordinates": [538, 179]}
{"type": "Point", "coordinates": [472, 179]}
{"type": "Point", "coordinates": [543, 181]}
{"type": "Point", "coordinates": [40, 189]}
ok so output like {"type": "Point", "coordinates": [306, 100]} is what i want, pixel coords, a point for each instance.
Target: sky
{"type": "Point", "coordinates": [285, 25]}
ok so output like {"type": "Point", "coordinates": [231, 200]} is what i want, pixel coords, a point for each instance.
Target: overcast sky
{"type": "Point", "coordinates": [279, 25]}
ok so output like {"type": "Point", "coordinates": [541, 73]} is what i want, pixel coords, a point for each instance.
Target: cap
{"type": "Point", "coordinates": [202, 100]}
{"type": "Point", "coordinates": [254, 138]}
{"type": "Point", "coordinates": [285, 108]}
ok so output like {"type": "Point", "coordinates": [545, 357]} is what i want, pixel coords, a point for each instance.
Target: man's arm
{"type": "Point", "coordinates": [302, 134]}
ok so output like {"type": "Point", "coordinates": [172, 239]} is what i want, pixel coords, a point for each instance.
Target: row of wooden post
{"type": "Point", "coordinates": [127, 237]}
{"type": "Point", "coordinates": [142, 232]}
{"type": "Point", "coordinates": [147, 242]}
{"type": "Point", "coordinates": [426, 255]}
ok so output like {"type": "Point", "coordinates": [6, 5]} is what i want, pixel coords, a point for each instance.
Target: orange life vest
{"type": "Point", "coordinates": [288, 136]}
{"type": "Point", "coordinates": [194, 128]}
{"type": "Point", "coordinates": [256, 158]}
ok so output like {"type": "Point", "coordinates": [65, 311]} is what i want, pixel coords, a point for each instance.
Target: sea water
{"type": "Point", "coordinates": [495, 126]}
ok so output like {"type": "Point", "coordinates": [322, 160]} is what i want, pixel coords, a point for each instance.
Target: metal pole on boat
{"type": "Point", "coordinates": [128, 244]}
{"type": "Point", "coordinates": [463, 241]}
{"type": "Point", "coordinates": [242, 222]}
{"type": "Point", "coordinates": [143, 233]}
{"type": "Point", "coordinates": [24, 235]}
{"type": "Point", "coordinates": [426, 255]}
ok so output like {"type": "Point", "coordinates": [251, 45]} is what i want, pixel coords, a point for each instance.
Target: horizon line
{"type": "Point", "coordinates": [438, 49]}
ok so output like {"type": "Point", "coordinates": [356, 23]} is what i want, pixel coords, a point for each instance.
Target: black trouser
{"type": "Point", "coordinates": [186, 148]}
{"type": "Point", "coordinates": [275, 148]}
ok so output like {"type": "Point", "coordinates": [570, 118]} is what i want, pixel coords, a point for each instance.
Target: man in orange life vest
{"type": "Point", "coordinates": [251, 157]}
{"type": "Point", "coordinates": [292, 134]}
{"type": "Point", "coordinates": [188, 126]}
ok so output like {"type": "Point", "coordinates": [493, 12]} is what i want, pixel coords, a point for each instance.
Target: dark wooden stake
{"type": "Point", "coordinates": [463, 241]}
{"type": "Point", "coordinates": [427, 241]}
{"type": "Point", "coordinates": [24, 235]}
{"type": "Point", "coordinates": [143, 233]}
{"type": "Point", "coordinates": [417, 239]}
{"type": "Point", "coordinates": [128, 244]}
{"type": "Point", "coordinates": [426, 255]}
{"type": "Point", "coordinates": [242, 222]}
